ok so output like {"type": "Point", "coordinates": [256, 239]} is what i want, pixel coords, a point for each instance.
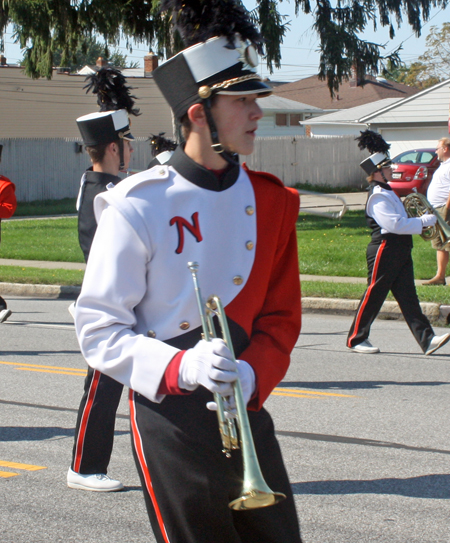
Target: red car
{"type": "Point", "coordinates": [413, 168]}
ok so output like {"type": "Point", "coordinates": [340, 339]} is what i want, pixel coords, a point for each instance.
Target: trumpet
{"type": "Point", "coordinates": [328, 214]}
{"type": "Point", "coordinates": [417, 205]}
{"type": "Point", "coordinates": [255, 491]}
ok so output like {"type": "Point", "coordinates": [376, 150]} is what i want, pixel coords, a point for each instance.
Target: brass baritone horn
{"type": "Point", "coordinates": [416, 205]}
{"type": "Point", "coordinates": [255, 491]}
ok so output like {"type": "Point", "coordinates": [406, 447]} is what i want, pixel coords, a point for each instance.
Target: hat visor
{"type": "Point", "coordinates": [385, 164]}
{"type": "Point", "coordinates": [252, 86]}
{"type": "Point", "coordinates": [128, 137]}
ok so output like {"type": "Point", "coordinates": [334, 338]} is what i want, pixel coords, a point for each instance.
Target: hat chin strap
{"type": "Point", "coordinates": [217, 147]}
{"type": "Point", "coordinates": [121, 155]}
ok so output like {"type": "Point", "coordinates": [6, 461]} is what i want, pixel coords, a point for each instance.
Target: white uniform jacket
{"type": "Point", "coordinates": [138, 293]}
{"type": "Point", "coordinates": [386, 208]}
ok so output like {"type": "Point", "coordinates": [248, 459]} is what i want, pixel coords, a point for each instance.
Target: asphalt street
{"type": "Point", "coordinates": [365, 437]}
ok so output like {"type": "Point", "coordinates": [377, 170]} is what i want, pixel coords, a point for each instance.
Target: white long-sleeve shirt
{"type": "Point", "coordinates": [386, 208]}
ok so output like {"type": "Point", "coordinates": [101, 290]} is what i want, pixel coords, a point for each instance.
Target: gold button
{"type": "Point", "coordinates": [249, 245]}
{"type": "Point", "coordinates": [184, 325]}
{"type": "Point", "coordinates": [151, 333]}
{"type": "Point", "coordinates": [237, 280]}
{"type": "Point", "coordinates": [162, 172]}
{"type": "Point", "coordinates": [249, 210]}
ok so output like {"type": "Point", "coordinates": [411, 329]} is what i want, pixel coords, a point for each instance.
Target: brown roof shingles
{"type": "Point", "coordinates": [315, 92]}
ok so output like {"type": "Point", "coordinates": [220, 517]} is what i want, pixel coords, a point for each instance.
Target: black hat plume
{"type": "Point", "coordinates": [159, 144]}
{"type": "Point", "coordinates": [109, 84]}
{"type": "Point", "coordinates": [373, 142]}
{"type": "Point", "coordinates": [200, 20]}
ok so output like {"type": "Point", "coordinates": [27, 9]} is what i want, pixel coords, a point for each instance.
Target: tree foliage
{"type": "Point", "coordinates": [44, 26]}
{"type": "Point", "coordinates": [436, 59]}
{"type": "Point", "coordinates": [88, 55]}
{"type": "Point", "coordinates": [432, 67]}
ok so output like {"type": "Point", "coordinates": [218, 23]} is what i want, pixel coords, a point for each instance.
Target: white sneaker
{"type": "Point", "coordinates": [4, 314]}
{"type": "Point", "coordinates": [97, 482]}
{"type": "Point", "coordinates": [365, 348]}
{"type": "Point", "coordinates": [436, 343]}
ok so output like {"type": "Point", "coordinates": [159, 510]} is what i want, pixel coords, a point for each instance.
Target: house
{"type": "Point", "coordinates": [283, 117]}
{"type": "Point", "coordinates": [418, 121]}
{"type": "Point", "coordinates": [352, 93]}
{"type": "Point", "coordinates": [48, 108]}
{"type": "Point", "coordinates": [345, 122]}
{"type": "Point", "coordinates": [43, 108]}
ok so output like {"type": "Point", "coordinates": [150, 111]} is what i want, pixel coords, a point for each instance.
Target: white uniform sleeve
{"type": "Point", "coordinates": [391, 216]}
{"type": "Point", "coordinates": [114, 283]}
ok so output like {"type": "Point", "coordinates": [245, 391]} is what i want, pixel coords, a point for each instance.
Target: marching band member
{"type": "Point", "coordinates": [137, 317]}
{"type": "Point", "coordinates": [107, 137]}
{"type": "Point", "coordinates": [389, 261]}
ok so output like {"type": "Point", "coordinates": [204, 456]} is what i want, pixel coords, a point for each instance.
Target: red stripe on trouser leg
{"type": "Point", "coordinates": [367, 293]}
{"type": "Point", "coordinates": [85, 419]}
{"type": "Point", "coordinates": [137, 441]}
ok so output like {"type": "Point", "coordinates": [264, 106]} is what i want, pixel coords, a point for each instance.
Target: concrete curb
{"type": "Point", "coordinates": [331, 306]}
{"type": "Point", "coordinates": [389, 310]}
{"type": "Point", "coordinates": [39, 291]}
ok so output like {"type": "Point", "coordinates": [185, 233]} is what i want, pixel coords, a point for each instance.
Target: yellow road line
{"type": "Point", "coordinates": [296, 395]}
{"type": "Point", "coordinates": [6, 474]}
{"type": "Point", "coordinates": [17, 465]}
{"type": "Point", "coordinates": [307, 393]}
{"type": "Point", "coordinates": [67, 372]}
{"type": "Point", "coordinates": [47, 369]}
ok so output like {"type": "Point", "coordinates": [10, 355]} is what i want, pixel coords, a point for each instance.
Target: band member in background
{"type": "Point", "coordinates": [438, 194]}
{"type": "Point", "coordinates": [107, 137]}
{"type": "Point", "coordinates": [140, 323]}
{"type": "Point", "coordinates": [8, 206]}
{"type": "Point", "coordinates": [389, 261]}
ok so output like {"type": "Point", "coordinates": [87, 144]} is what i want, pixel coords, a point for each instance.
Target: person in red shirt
{"type": "Point", "coordinates": [8, 205]}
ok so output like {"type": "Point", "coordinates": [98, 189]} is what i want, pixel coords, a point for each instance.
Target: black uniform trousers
{"type": "Point", "coordinates": [94, 432]}
{"type": "Point", "coordinates": [390, 268]}
{"type": "Point", "coordinates": [188, 481]}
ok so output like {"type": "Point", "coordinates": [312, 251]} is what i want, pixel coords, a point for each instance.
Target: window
{"type": "Point", "coordinates": [288, 119]}
{"type": "Point", "coordinates": [281, 119]}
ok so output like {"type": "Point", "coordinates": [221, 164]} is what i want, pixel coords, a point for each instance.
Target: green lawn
{"type": "Point", "coordinates": [326, 247]}
{"type": "Point", "coordinates": [41, 239]}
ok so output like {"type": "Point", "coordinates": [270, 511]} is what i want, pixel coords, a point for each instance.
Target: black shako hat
{"type": "Point", "coordinates": [375, 144]}
{"type": "Point", "coordinates": [111, 122]}
{"type": "Point", "coordinates": [207, 68]}
{"type": "Point", "coordinates": [104, 127]}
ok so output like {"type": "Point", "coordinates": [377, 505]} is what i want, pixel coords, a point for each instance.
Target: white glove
{"type": "Point", "coordinates": [209, 364]}
{"type": "Point", "coordinates": [247, 378]}
{"type": "Point", "coordinates": [428, 220]}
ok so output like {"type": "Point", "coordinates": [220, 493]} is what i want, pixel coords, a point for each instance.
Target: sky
{"type": "Point", "coordinates": [300, 58]}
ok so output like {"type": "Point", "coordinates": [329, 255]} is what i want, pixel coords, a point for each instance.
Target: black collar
{"type": "Point", "coordinates": [201, 176]}
{"type": "Point", "coordinates": [100, 177]}
{"type": "Point", "coordinates": [382, 184]}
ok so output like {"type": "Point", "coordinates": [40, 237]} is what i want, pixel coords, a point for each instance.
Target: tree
{"type": "Point", "coordinates": [43, 26]}
{"type": "Point", "coordinates": [412, 75]}
{"type": "Point", "coordinates": [436, 59]}
{"type": "Point", "coordinates": [94, 49]}
{"type": "Point", "coordinates": [432, 67]}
